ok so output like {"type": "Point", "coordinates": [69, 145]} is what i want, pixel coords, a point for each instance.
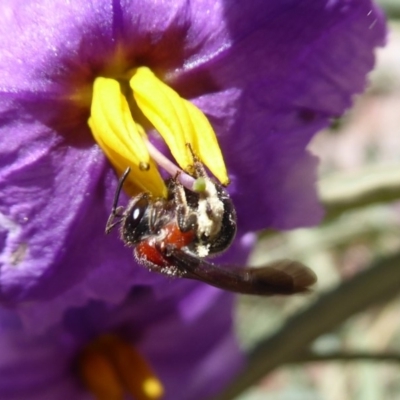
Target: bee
{"type": "Point", "coordinates": [176, 235]}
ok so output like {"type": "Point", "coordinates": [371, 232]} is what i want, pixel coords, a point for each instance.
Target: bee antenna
{"type": "Point", "coordinates": [115, 210]}
{"type": "Point", "coordinates": [119, 188]}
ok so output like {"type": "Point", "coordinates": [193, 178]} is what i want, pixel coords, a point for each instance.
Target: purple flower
{"type": "Point", "coordinates": [268, 74]}
{"type": "Point", "coordinates": [193, 352]}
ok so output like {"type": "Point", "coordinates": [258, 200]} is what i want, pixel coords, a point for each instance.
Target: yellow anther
{"type": "Point", "coordinates": [111, 367]}
{"type": "Point", "coordinates": [99, 376]}
{"type": "Point", "coordinates": [117, 134]}
{"type": "Point", "coordinates": [153, 388]}
{"type": "Point", "coordinates": [179, 122]}
{"type": "Point", "coordinates": [124, 140]}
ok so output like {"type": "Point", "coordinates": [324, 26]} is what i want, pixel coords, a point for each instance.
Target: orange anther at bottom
{"type": "Point", "coordinates": [110, 367]}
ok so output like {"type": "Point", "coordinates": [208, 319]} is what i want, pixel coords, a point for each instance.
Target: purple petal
{"type": "Point", "coordinates": [35, 367]}
{"type": "Point", "coordinates": [193, 354]}
{"type": "Point", "coordinates": [196, 365]}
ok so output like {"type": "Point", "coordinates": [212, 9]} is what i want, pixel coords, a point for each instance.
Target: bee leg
{"type": "Point", "coordinates": [198, 167]}
{"type": "Point", "coordinates": [187, 221]}
{"type": "Point", "coordinates": [186, 218]}
{"type": "Point", "coordinates": [115, 213]}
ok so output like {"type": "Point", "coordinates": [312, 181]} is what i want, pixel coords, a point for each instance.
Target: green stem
{"type": "Point", "coordinates": [345, 357]}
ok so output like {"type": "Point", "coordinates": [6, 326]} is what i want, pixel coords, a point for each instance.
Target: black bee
{"type": "Point", "coordinates": [175, 235]}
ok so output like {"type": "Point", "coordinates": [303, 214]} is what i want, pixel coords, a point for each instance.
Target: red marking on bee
{"type": "Point", "coordinates": [145, 253]}
{"type": "Point", "coordinates": [151, 250]}
{"type": "Point", "coordinates": [176, 237]}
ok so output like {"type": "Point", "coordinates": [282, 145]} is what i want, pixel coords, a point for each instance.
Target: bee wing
{"type": "Point", "coordinates": [280, 277]}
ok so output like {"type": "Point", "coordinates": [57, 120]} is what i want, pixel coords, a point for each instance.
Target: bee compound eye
{"type": "Point", "coordinates": [137, 211]}
{"type": "Point", "coordinates": [137, 214]}
{"type": "Point", "coordinates": [136, 221]}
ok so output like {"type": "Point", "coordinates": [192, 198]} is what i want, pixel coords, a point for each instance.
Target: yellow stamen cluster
{"type": "Point", "coordinates": [111, 368]}
{"type": "Point", "coordinates": [120, 138]}
{"type": "Point", "coordinates": [116, 129]}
